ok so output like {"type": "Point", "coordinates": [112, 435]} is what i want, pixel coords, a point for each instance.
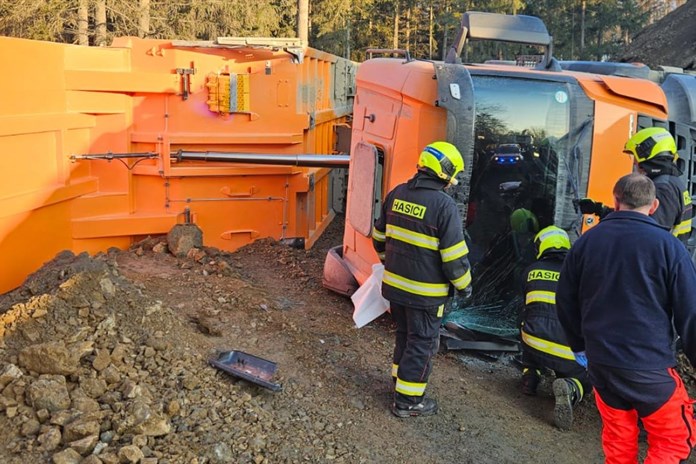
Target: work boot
{"type": "Point", "coordinates": [427, 407]}
{"type": "Point", "coordinates": [530, 381]}
{"type": "Point", "coordinates": [567, 395]}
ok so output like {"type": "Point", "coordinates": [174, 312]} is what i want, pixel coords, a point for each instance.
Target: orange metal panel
{"type": "Point", "coordinates": [120, 226]}
{"type": "Point", "coordinates": [129, 98]}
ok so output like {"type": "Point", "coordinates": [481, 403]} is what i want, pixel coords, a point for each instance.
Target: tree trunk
{"type": "Point", "coordinates": [100, 19]}
{"type": "Point", "coordinates": [444, 33]}
{"type": "Point", "coordinates": [349, 20]}
{"type": "Point", "coordinates": [430, 33]}
{"type": "Point", "coordinates": [144, 19]}
{"type": "Point", "coordinates": [583, 8]}
{"type": "Point", "coordinates": [408, 28]}
{"type": "Point", "coordinates": [303, 21]}
{"type": "Point", "coordinates": [396, 24]}
{"type": "Point", "coordinates": [83, 22]}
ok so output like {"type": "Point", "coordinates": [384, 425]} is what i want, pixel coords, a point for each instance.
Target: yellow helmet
{"type": "Point", "coordinates": [648, 143]}
{"type": "Point", "coordinates": [443, 159]}
{"type": "Point", "coordinates": [551, 238]}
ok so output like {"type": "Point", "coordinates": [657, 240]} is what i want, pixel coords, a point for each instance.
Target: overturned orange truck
{"type": "Point", "coordinates": [102, 146]}
{"type": "Point", "coordinates": [534, 140]}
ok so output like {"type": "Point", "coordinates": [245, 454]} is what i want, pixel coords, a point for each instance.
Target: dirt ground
{"type": "Point", "coordinates": [104, 360]}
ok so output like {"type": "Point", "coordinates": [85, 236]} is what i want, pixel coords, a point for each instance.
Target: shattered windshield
{"type": "Point", "coordinates": [531, 156]}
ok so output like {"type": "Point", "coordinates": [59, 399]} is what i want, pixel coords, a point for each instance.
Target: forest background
{"type": "Point", "coordinates": [582, 29]}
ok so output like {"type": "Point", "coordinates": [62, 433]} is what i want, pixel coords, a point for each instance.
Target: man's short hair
{"type": "Point", "coordinates": [634, 191]}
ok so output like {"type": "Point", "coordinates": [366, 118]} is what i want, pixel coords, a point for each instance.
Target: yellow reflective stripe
{"type": "Point", "coordinates": [413, 238]}
{"type": "Point", "coordinates": [548, 347]}
{"type": "Point", "coordinates": [415, 287]}
{"type": "Point", "coordinates": [687, 197]}
{"type": "Point", "coordinates": [464, 281]}
{"type": "Point", "coordinates": [579, 385]}
{"type": "Point", "coordinates": [540, 296]}
{"type": "Point", "coordinates": [410, 388]}
{"type": "Point", "coordinates": [377, 235]}
{"type": "Point", "coordinates": [395, 370]}
{"type": "Point", "coordinates": [454, 252]}
{"type": "Point", "coordinates": [440, 310]}
{"type": "Point", "coordinates": [683, 227]}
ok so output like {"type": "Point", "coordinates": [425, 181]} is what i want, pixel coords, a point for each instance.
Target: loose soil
{"type": "Point", "coordinates": [105, 360]}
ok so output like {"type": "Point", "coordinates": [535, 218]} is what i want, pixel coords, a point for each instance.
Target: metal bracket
{"type": "Point", "coordinates": [185, 80]}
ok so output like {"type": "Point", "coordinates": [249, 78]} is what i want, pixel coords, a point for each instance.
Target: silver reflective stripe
{"type": "Point", "coordinates": [683, 227]}
{"type": "Point", "coordinates": [377, 235]}
{"type": "Point", "coordinates": [414, 238]}
{"type": "Point", "coordinates": [550, 233]}
{"type": "Point", "coordinates": [546, 346]}
{"type": "Point", "coordinates": [454, 252]}
{"type": "Point", "coordinates": [462, 282]}
{"type": "Point", "coordinates": [541, 296]}
{"type": "Point", "coordinates": [410, 388]}
{"type": "Point", "coordinates": [415, 287]}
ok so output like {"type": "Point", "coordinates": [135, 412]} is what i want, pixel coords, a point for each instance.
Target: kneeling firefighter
{"type": "Point", "coordinates": [544, 344]}
{"type": "Point", "coordinates": [419, 237]}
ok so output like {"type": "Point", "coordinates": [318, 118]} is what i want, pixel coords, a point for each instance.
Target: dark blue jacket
{"type": "Point", "coordinates": [621, 285]}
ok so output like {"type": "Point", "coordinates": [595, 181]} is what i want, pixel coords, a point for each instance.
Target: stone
{"type": "Point", "coordinates": [80, 429]}
{"type": "Point", "coordinates": [67, 456]}
{"type": "Point", "coordinates": [94, 388]}
{"type": "Point", "coordinates": [8, 374]}
{"type": "Point", "coordinates": [85, 445]}
{"type": "Point", "coordinates": [30, 428]}
{"type": "Point", "coordinates": [110, 458]}
{"type": "Point", "coordinates": [183, 237]}
{"type": "Point", "coordinates": [130, 454]}
{"type": "Point", "coordinates": [102, 360]}
{"type": "Point", "coordinates": [107, 286]}
{"type": "Point", "coordinates": [155, 426]}
{"type": "Point", "coordinates": [92, 459]}
{"type": "Point", "coordinates": [49, 392]}
{"type": "Point", "coordinates": [50, 439]}
{"type": "Point", "coordinates": [49, 358]}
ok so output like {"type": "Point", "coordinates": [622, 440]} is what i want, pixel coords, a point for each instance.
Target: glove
{"type": "Point", "coordinates": [589, 206]}
{"type": "Point", "coordinates": [464, 295]}
{"type": "Point", "coordinates": [581, 358]}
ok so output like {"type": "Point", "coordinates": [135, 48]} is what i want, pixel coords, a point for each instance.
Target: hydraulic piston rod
{"type": "Point", "coordinates": [305, 160]}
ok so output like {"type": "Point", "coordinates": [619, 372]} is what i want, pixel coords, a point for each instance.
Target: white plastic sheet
{"type": "Point", "coordinates": [368, 300]}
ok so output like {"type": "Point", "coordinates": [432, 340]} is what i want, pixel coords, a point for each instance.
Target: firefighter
{"type": "Point", "coordinates": [544, 343]}
{"type": "Point", "coordinates": [419, 237]}
{"type": "Point", "coordinates": [654, 154]}
{"type": "Point", "coordinates": [626, 288]}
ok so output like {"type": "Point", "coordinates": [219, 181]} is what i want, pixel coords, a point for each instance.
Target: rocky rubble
{"type": "Point", "coordinates": [96, 371]}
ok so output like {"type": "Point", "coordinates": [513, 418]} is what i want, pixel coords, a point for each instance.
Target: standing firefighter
{"type": "Point", "coordinates": [654, 154]}
{"type": "Point", "coordinates": [626, 290]}
{"type": "Point", "coordinates": [544, 343]}
{"type": "Point", "coordinates": [420, 238]}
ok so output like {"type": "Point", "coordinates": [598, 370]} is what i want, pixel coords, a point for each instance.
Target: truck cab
{"type": "Point", "coordinates": [568, 122]}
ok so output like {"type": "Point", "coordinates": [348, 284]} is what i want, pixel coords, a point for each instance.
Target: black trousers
{"type": "Point", "coordinates": [563, 368]}
{"type": "Point", "coordinates": [417, 342]}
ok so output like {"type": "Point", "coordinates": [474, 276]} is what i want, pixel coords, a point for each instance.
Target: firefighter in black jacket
{"type": "Point", "coordinates": [654, 153]}
{"type": "Point", "coordinates": [544, 343]}
{"type": "Point", "coordinates": [419, 237]}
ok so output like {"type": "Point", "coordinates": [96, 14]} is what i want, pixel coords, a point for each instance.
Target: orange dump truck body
{"type": "Point", "coordinates": [149, 100]}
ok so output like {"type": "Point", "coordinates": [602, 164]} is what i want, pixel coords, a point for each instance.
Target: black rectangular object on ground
{"type": "Point", "coordinates": [248, 367]}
